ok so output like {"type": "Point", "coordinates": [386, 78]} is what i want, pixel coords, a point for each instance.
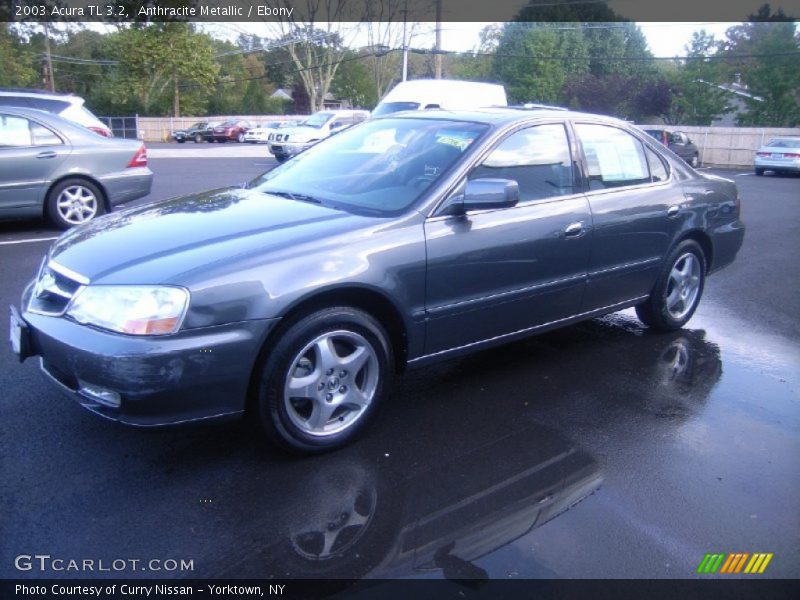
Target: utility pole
{"type": "Point", "coordinates": [437, 59]}
{"type": "Point", "coordinates": [405, 43]}
{"type": "Point", "coordinates": [51, 83]}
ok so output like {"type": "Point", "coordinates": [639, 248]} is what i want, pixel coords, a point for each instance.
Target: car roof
{"type": "Point", "coordinates": [38, 94]}
{"type": "Point", "coordinates": [53, 120]}
{"type": "Point", "coordinates": [499, 116]}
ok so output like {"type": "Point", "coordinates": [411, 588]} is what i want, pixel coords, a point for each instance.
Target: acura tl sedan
{"type": "Point", "coordinates": [404, 240]}
{"type": "Point", "coordinates": [51, 167]}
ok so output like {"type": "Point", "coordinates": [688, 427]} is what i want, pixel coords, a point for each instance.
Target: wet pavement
{"type": "Point", "coordinates": [600, 450]}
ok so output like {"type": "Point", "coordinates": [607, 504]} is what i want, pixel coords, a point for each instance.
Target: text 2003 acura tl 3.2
{"type": "Point", "coordinates": [402, 241]}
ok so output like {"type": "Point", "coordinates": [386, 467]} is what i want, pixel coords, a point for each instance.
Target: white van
{"type": "Point", "coordinates": [448, 94]}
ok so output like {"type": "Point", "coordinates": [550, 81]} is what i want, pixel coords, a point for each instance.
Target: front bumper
{"type": "Point", "coordinates": [193, 375]}
{"type": "Point", "coordinates": [287, 148]}
{"type": "Point", "coordinates": [125, 186]}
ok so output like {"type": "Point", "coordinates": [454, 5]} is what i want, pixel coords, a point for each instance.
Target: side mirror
{"type": "Point", "coordinates": [485, 194]}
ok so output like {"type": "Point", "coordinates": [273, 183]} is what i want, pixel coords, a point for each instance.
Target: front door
{"type": "Point", "coordinates": [496, 272]}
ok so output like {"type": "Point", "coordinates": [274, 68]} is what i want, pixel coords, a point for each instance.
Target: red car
{"type": "Point", "coordinates": [233, 130]}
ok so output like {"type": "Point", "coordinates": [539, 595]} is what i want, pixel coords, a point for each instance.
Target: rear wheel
{"type": "Point", "coordinates": [180, 140]}
{"type": "Point", "coordinates": [198, 138]}
{"type": "Point", "coordinates": [240, 138]}
{"type": "Point", "coordinates": [72, 202]}
{"type": "Point", "coordinates": [323, 380]}
{"type": "Point", "coordinates": [759, 172]}
{"type": "Point", "coordinates": [677, 293]}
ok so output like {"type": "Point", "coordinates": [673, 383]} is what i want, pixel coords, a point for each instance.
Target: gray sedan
{"type": "Point", "coordinates": [402, 241]}
{"type": "Point", "coordinates": [53, 168]}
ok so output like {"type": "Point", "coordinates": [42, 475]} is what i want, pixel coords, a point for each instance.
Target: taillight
{"type": "Point", "coordinates": [763, 153]}
{"type": "Point", "coordinates": [140, 158]}
{"type": "Point", "coordinates": [102, 131]}
{"type": "Point", "coordinates": [791, 155]}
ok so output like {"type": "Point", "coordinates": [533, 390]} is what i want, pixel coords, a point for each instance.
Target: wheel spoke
{"type": "Point", "coordinates": [325, 353]}
{"type": "Point", "coordinates": [320, 415]}
{"type": "Point", "coordinates": [355, 362]}
{"type": "Point", "coordinates": [673, 298]}
{"type": "Point", "coordinates": [357, 519]}
{"type": "Point", "coordinates": [357, 399]}
{"type": "Point", "coordinates": [304, 387]}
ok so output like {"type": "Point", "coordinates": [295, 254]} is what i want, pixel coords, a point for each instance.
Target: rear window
{"type": "Point", "coordinates": [784, 144]}
{"type": "Point", "coordinates": [387, 108]}
{"type": "Point", "coordinates": [52, 106]}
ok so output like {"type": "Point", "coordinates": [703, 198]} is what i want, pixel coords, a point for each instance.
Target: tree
{"type": "Point", "coordinates": [354, 82]}
{"type": "Point", "coordinates": [533, 61]}
{"type": "Point", "coordinates": [697, 98]}
{"type": "Point", "coordinates": [16, 62]}
{"type": "Point", "coordinates": [164, 60]}
{"type": "Point", "coordinates": [477, 65]}
{"type": "Point", "coordinates": [771, 46]}
{"type": "Point", "coordinates": [316, 46]}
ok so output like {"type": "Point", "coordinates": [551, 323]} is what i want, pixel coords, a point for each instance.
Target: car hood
{"type": "Point", "coordinates": [185, 239]}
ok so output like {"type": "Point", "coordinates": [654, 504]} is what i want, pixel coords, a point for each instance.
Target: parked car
{"type": "Point", "coordinates": [260, 134]}
{"type": "Point", "coordinates": [448, 94]}
{"type": "Point", "coordinates": [294, 140]}
{"type": "Point", "coordinates": [201, 131]}
{"type": "Point", "coordinates": [52, 167]}
{"type": "Point", "coordinates": [781, 155]}
{"type": "Point", "coordinates": [69, 106]}
{"type": "Point", "coordinates": [406, 240]}
{"type": "Point", "coordinates": [231, 130]}
{"type": "Point", "coordinates": [679, 143]}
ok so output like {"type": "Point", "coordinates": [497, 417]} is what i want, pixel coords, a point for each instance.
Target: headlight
{"type": "Point", "coordinates": [136, 310]}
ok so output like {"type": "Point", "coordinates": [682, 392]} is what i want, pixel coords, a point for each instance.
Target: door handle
{"type": "Point", "coordinates": [673, 211]}
{"type": "Point", "coordinates": [48, 154]}
{"type": "Point", "coordinates": [574, 230]}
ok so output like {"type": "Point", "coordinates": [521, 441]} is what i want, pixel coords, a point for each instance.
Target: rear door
{"type": "Point", "coordinates": [496, 272]}
{"type": "Point", "coordinates": [29, 153]}
{"type": "Point", "coordinates": [636, 211]}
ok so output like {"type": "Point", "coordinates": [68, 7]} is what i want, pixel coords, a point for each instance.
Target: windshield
{"type": "Point", "coordinates": [387, 108]}
{"type": "Point", "coordinates": [784, 144]}
{"type": "Point", "coordinates": [379, 167]}
{"type": "Point", "coordinates": [317, 120]}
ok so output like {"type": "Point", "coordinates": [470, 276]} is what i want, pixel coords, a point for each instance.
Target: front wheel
{"type": "Point", "coordinates": [694, 161]}
{"type": "Point", "coordinates": [759, 172]}
{"type": "Point", "coordinates": [198, 138]}
{"type": "Point", "coordinates": [323, 380]}
{"type": "Point", "coordinates": [240, 138]}
{"type": "Point", "coordinates": [677, 293]}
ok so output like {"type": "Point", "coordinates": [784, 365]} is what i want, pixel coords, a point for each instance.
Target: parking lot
{"type": "Point", "coordinates": [601, 450]}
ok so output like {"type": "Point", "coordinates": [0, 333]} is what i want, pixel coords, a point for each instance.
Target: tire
{"type": "Point", "coordinates": [72, 202]}
{"type": "Point", "coordinates": [281, 158]}
{"type": "Point", "coordinates": [198, 138]}
{"type": "Point", "coordinates": [336, 403]}
{"type": "Point", "coordinates": [685, 265]}
{"type": "Point", "coordinates": [694, 161]}
{"type": "Point", "coordinates": [211, 140]}
{"type": "Point", "coordinates": [759, 172]}
{"type": "Point", "coordinates": [240, 138]}
{"type": "Point", "coordinates": [181, 140]}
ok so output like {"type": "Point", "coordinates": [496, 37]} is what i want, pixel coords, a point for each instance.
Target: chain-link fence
{"type": "Point", "coordinates": [123, 127]}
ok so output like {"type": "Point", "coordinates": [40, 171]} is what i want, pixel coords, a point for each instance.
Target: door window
{"type": "Point", "coordinates": [614, 157]}
{"type": "Point", "coordinates": [537, 158]}
{"type": "Point", "coordinates": [14, 131]}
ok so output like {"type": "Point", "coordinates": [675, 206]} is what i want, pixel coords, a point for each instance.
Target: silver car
{"type": "Point", "coordinates": [781, 155]}
{"type": "Point", "coordinates": [54, 168]}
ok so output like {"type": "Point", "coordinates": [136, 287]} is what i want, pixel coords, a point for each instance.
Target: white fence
{"type": "Point", "coordinates": [732, 147]}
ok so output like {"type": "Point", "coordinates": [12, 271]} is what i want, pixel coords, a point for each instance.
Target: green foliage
{"type": "Point", "coordinates": [524, 61]}
{"type": "Point", "coordinates": [354, 82]}
{"type": "Point", "coordinates": [17, 68]}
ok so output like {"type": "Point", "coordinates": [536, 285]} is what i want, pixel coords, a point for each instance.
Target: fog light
{"type": "Point", "coordinates": [99, 394]}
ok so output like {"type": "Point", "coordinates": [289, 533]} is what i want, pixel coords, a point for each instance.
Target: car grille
{"type": "Point", "coordinates": [55, 287]}
{"type": "Point", "coordinates": [277, 137]}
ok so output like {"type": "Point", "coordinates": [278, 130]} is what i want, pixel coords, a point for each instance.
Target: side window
{"type": "Point", "coordinates": [14, 131]}
{"type": "Point", "coordinates": [614, 157]}
{"type": "Point", "coordinates": [42, 136]}
{"type": "Point", "coordinates": [537, 158]}
{"type": "Point", "coordinates": [658, 170]}
{"type": "Point", "coordinates": [52, 106]}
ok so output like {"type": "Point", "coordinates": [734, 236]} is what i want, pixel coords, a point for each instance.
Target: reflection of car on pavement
{"type": "Point", "coordinates": [400, 242]}
{"type": "Point", "coordinates": [52, 167]}
{"type": "Point", "coordinates": [232, 130]}
{"type": "Point", "coordinates": [68, 106]}
{"type": "Point", "coordinates": [199, 132]}
{"type": "Point", "coordinates": [679, 143]}
{"type": "Point", "coordinates": [260, 134]}
{"type": "Point", "coordinates": [293, 140]}
{"type": "Point", "coordinates": [781, 155]}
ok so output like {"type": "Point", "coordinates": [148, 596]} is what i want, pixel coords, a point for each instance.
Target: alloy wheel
{"type": "Point", "coordinates": [76, 204]}
{"type": "Point", "coordinates": [683, 286]}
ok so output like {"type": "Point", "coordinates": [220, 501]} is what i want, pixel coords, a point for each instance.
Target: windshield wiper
{"type": "Point", "coordinates": [294, 196]}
